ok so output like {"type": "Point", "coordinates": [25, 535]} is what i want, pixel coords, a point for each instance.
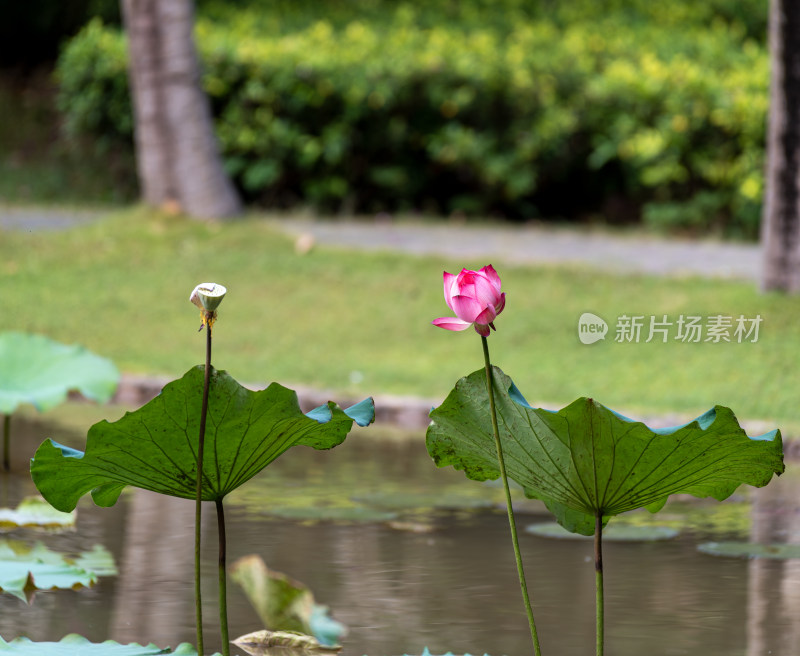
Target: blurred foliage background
{"type": "Point", "coordinates": [615, 111]}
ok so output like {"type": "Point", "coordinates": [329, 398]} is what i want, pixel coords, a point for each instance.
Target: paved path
{"type": "Point", "coordinates": [36, 218]}
{"type": "Point", "coordinates": [539, 245]}
{"type": "Point", "coordinates": [498, 243]}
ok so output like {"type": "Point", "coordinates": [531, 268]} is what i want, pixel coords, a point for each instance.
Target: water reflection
{"type": "Point", "coordinates": [158, 559]}
{"type": "Point", "coordinates": [451, 588]}
{"type": "Point", "coordinates": [774, 586]}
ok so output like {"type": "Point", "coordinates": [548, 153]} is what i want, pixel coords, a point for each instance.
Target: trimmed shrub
{"type": "Point", "coordinates": [523, 116]}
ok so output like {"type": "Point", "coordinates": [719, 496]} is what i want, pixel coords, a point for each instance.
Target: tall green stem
{"type": "Point", "coordinates": [198, 508]}
{"type": "Point", "coordinates": [6, 439]}
{"type": "Point", "coordinates": [4, 500]}
{"type": "Point", "coordinates": [598, 577]}
{"type": "Point", "coordinates": [512, 524]}
{"type": "Point", "coordinates": [223, 581]}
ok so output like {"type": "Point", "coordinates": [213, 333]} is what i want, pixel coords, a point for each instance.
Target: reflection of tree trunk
{"type": "Point", "coordinates": [156, 572]}
{"type": "Point", "coordinates": [790, 609]}
{"type": "Point", "coordinates": [774, 585]}
{"type": "Point", "coordinates": [176, 150]}
{"type": "Point", "coordinates": [780, 234]}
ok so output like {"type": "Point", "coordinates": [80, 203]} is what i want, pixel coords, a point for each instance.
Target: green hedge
{"type": "Point", "coordinates": [615, 113]}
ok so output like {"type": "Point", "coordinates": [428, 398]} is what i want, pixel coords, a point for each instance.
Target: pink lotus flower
{"type": "Point", "coordinates": [475, 298]}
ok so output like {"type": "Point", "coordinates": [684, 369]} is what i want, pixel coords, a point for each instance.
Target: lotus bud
{"type": "Point", "coordinates": [475, 298]}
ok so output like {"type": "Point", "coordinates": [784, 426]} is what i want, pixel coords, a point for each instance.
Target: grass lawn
{"type": "Point", "coordinates": [360, 323]}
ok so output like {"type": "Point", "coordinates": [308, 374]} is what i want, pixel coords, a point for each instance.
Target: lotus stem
{"type": "Point", "coordinates": [198, 508]}
{"type": "Point", "coordinates": [223, 580]}
{"type": "Point", "coordinates": [598, 577]}
{"type": "Point", "coordinates": [512, 524]}
{"type": "Point", "coordinates": [6, 440]}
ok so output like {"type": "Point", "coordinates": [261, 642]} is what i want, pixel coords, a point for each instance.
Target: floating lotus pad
{"type": "Point", "coordinates": [35, 512]}
{"type": "Point", "coordinates": [275, 643]}
{"type": "Point", "coordinates": [357, 490]}
{"type": "Point", "coordinates": [25, 568]}
{"type": "Point", "coordinates": [614, 533]}
{"type": "Point", "coordinates": [352, 514]}
{"type": "Point", "coordinates": [447, 500]}
{"type": "Point", "coordinates": [705, 519]}
{"type": "Point", "coordinates": [75, 645]}
{"type": "Point", "coordinates": [258, 643]}
{"type": "Point", "coordinates": [751, 550]}
{"type": "Point", "coordinates": [287, 643]}
{"type": "Point", "coordinates": [425, 652]}
{"type": "Point", "coordinates": [586, 460]}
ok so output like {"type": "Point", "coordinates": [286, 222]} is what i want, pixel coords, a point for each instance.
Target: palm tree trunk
{"type": "Point", "coordinates": [780, 229]}
{"type": "Point", "coordinates": [178, 160]}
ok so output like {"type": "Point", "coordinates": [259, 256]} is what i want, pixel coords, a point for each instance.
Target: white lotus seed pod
{"type": "Point", "coordinates": [208, 295]}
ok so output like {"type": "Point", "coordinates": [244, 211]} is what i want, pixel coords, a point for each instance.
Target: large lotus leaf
{"type": "Point", "coordinates": [75, 645]}
{"type": "Point", "coordinates": [35, 369]}
{"type": "Point", "coordinates": [155, 447]}
{"type": "Point", "coordinates": [26, 568]}
{"type": "Point", "coordinates": [586, 459]}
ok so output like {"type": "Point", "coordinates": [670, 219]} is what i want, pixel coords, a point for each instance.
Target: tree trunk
{"type": "Point", "coordinates": [177, 154]}
{"type": "Point", "coordinates": [780, 226]}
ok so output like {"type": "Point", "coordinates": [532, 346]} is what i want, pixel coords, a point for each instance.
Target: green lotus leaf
{"type": "Point", "coordinates": [35, 369]}
{"type": "Point", "coordinates": [155, 447]}
{"type": "Point", "coordinates": [586, 460]}
{"type": "Point", "coordinates": [35, 512]}
{"type": "Point", "coordinates": [751, 550]}
{"type": "Point", "coordinates": [26, 568]}
{"type": "Point", "coordinates": [75, 645]}
{"type": "Point", "coordinates": [284, 604]}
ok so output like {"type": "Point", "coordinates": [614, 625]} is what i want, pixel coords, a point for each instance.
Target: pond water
{"type": "Point", "coordinates": [415, 557]}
